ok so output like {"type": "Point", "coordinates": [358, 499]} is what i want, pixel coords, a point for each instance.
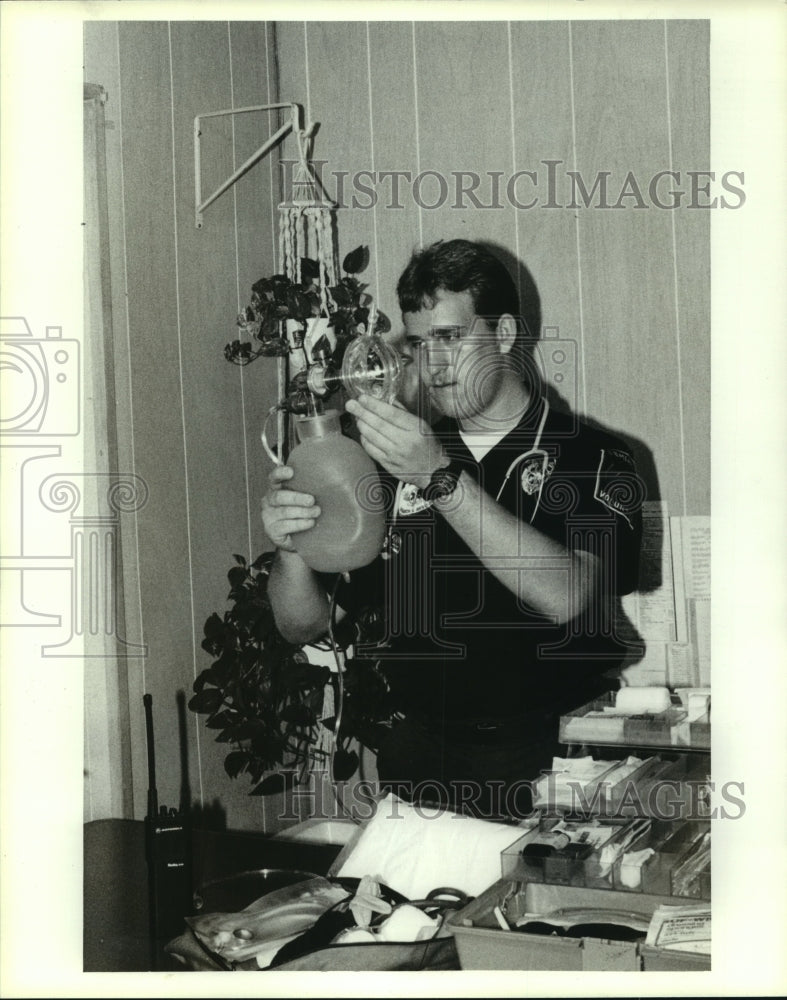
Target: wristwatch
{"type": "Point", "coordinates": [444, 481]}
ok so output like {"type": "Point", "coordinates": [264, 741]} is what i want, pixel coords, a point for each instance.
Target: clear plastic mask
{"type": "Point", "coordinates": [372, 367]}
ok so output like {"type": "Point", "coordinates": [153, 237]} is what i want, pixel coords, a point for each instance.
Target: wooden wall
{"type": "Point", "coordinates": [627, 288]}
{"type": "Point", "coordinates": [188, 421]}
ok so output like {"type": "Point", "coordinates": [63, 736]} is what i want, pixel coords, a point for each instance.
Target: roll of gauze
{"type": "Point", "coordinates": [638, 700]}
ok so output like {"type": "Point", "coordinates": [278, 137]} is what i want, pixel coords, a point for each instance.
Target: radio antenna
{"type": "Point", "coordinates": [152, 791]}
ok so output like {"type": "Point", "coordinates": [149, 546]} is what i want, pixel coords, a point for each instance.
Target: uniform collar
{"type": "Point", "coordinates": [526, 434]}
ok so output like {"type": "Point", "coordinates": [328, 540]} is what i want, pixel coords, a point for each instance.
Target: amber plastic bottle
{"type": "Point", "coordinates": [338, 473]}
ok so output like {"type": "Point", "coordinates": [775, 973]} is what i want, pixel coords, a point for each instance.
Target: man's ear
{"type": "Point", "coordinates": [505, 333]}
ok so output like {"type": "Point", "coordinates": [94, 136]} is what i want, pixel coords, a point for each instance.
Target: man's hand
{"type": "Point", "coordinates": [285, 512]}
{"type": "Point", "coordinates": [401, 442]}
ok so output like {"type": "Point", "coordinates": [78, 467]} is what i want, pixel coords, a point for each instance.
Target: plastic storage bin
{"type": "Point", "coordinates": [483, 944]}
{"type": "Point", "coordinates": [542, 854]}
{"type": "Point", "coordinates": [636, 793]}
{"type": "Point", "coordinates": [665, 872]}
{"type": "Point", "coordinates": [595, 724]}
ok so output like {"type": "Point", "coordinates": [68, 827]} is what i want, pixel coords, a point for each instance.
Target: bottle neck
{"type": "Point", "coordinates": [319, 426]}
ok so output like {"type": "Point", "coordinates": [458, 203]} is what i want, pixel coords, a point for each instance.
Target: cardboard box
{"type": "Point", "coordinates": [482, 944]}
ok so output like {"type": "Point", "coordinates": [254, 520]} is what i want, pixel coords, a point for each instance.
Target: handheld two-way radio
{"type": "Point", "coordinates": [168, 849]}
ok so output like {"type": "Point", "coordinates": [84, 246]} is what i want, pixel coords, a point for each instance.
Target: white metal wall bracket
{"type": "Point", "coordinates": [293, 125]}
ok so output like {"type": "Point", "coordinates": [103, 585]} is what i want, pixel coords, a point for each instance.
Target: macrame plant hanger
{"type": "Point", "coordinates": [306, 229]}
{"type": "Point", "coordinates": [306, 224]}
{"type": "Point", "coordinates": [306, 218]}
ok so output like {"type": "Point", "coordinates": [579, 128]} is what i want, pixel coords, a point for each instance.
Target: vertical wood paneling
{"type": "Point", "coordinates": [542, 127]}
{"type": "Point", "coordinates": [636, 279]}
{"type": "Point", "coordinates": [339, 95]}
{"type": "Point", "coordinates": [158, 427]}
{"type": "Point", "coordinates": [256, 200]}
{"type": "Point", "coordinates": [212, 402]}
{"type": "Point", "coordinates": [628, 289]}
{"type": "Point", "coordinates": [101, 65]}
{"type": "Point", "coordinates": [390, 58]}
{"type": "Point", "coordinates": [293, 86]}
{"type": "Point", "coordinates": [688, 51]}
{"type": "Point", "coordinates": [257, 196]}
{"type": "Point", "coordinates": [464, 124]}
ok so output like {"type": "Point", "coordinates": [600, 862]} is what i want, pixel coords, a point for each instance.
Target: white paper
{"type": "Point", "coordinates": [696, 557]}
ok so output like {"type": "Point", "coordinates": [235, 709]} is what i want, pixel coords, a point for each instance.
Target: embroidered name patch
{"type": "Point", "coordinates": [616, 483]}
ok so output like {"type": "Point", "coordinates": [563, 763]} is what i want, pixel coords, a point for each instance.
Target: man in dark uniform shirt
{"type": "Point", "coordinates": [513, 529]}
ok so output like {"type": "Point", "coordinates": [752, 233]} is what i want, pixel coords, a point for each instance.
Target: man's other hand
{"type": "Point", "coordinates": [400, 441]}
{"type": "Point", "coordinates": [286, 512]}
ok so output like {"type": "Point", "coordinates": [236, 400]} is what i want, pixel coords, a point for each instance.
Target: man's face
{"type": "Point", "coordinates": [457, 355]}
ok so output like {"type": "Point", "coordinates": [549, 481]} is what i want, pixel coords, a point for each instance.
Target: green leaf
{"type": "Point", "coordinates": [201, 680]}
{"type": "Point", "coordinates": [315, 700]}
{"type": "Point", "coordinates": [243, 731]}
{"type": "Point", "coordinates": [356, 261]}
{"type": "Point", "coordinates": [236, 762]}
{"type": "Point", "coordinates": [341, 296]}
{"type": "Point", "coordinates": [372, 734]}
{"type": "Point", "coordinates": [345, 763]}
{"type": "Point", "coordinates": [223, 669]}
{"type": "Point", "coordinates": [268, 746]}
{"type": "Point", "coordinates": [221, 720]}
{"type": "Point", "coordinates": [249, 657]}
{"type": "Point", "coordinates": [279, 781]}
{"type": "Point", "coordinates": [214, 627]}
{"type": "Point", "coordinates": [352, 285]}
{"type": "Point", "coordinates": [306, 675]}
{"type": "Point", "coordinates": [383, 324]}
{"type": "Point", "coordinates": [322, 348]}
{"type": "Point", "coordinates": [263, 287]}
{"type": "Point", "coordinates": [256, 769]}
{"type": "Point", "coordinates": [310, 269]}
{"type": "Point", "coordinates": [298, 304]}
{"type": "Point", "coordinates": [237, 576]}
{"type": "Point", "coordinates": [240, 560]}
{"type": "Point", "coordinates": [298, 714]}
{"type": "Point", "coordinates": [207, 700]}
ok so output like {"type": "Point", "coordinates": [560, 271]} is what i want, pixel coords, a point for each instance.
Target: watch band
{"type": "Point", "coordinates": [444, 481]}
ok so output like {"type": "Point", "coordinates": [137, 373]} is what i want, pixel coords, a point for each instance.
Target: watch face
{"type": "Point", "coordinates": [442, 484]}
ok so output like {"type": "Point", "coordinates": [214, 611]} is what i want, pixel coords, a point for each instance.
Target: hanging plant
{"type": "Point", "coordinates": [265, 699]}
{"type": "Point", "coordinates": [261, 694]}
{"type": "Point", "coordinates": [277, 298]}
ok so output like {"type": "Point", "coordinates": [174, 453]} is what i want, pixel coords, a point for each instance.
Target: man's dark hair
{"type": "Point", "coordinates": [458, 266]}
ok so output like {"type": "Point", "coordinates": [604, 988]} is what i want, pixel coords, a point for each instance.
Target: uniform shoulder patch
{"type": "Point", "coordinates": [617, 486]}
